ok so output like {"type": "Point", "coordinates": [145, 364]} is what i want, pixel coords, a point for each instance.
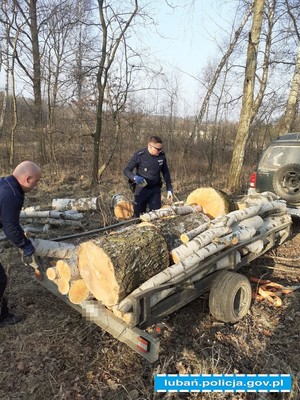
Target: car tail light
{"type": "Point", "coordinates": [252, 180]}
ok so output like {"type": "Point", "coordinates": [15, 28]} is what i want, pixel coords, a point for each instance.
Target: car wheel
{"type": "Point", "coordinates": [230, 296]}
{"type": "Point", "coordinates": [286, 183]}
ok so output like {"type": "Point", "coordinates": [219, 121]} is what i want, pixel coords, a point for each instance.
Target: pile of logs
{"type": "Point", "coordinates": [162, 248]}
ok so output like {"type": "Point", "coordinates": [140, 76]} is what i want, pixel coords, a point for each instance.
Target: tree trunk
{"type": "Point", "coordinates": [293, 100]}
{"type": "Point", "coordinates": [113, 266]}
{"type": "Point", "coordinates": [247, 101]}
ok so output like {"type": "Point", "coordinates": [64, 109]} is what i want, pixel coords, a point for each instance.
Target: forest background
{"type": "Point", "coordinates": [80, 90]}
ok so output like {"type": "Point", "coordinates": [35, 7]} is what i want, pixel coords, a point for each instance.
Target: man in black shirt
{"type": "Point", "coordinates": [24, 178]}
{"type": "Point", "coordinates": [144, 171]}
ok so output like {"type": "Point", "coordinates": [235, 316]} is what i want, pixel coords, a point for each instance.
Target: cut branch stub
{"type": "Point", "coordinates": [214, 202]}
{"type": "Point", "coordinates": [114, 265]}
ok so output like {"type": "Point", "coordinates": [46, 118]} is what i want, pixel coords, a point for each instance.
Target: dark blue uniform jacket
{"type": "Point", "coordinates": [11, 203]}
{"type": "Point", "coordinates": [149, 167]}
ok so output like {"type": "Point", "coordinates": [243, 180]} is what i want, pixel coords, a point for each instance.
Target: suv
{"type": "Point", "coordinates": [278, 169]}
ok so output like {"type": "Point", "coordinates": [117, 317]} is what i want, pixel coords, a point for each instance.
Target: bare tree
{"type": "Point", "coordinates": [119, 23]}
{"type": "Point", "coordinates": [289, 117]}
{"type": "Point", "coordinates": [247, 100]}
{"type": "Point", "coordinates": [4, 60]}
{"type": "Point", "coordinates": [217, 73]}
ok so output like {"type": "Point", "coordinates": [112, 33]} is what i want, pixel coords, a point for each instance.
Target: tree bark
{"type": "Point", "coordinates": [114, 265]}
{"type": "Point", "coordinates": [83, 204]}
{"type": "Point", "coordinates": [247, 100]}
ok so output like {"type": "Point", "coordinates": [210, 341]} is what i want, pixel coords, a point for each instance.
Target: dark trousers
{"type": "Point", "coordinates": [144, 197]}
{"type": "Point", "coordinates": [3, 302]}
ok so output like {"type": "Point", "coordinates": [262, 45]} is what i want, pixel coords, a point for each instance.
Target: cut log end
{"type": "Point", "coordinates": [184, 238]}
{"type": "Point", "coordinates": [78, 292]}
{"type": "Point", "coordinates": [63, 270]}
{"type": "Point", "coordinates": [51, 273]}
{"type": "Point", "coordinates": [213, 202]}
{"type": "Point", "coordinates": [123, 208]}
{"type": "Point", "coordinates": [63, 286]}
{"type": "Point", "coordinates": [98, 273]}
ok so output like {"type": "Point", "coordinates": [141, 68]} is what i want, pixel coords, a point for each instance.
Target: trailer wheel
{"type": "Point", "coordinates": [230, 296]}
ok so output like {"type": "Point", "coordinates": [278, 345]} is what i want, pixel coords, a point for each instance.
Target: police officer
{"type": "Point", "coordinates": [24, 178]}
{"type": "Point", "coordinates": [144, 171]}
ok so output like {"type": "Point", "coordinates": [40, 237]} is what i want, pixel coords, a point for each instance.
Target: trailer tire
{"type": "Point", "coordinates": [230, 297]}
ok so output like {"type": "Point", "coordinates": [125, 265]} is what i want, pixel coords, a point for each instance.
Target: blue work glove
{"type": "Point", "coordinates": [28, 248]}
{"type": "Point", "coordinates": [139, 180]}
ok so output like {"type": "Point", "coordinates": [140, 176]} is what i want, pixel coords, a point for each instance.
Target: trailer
{"type": "Point", "coordinates": [142, 333]}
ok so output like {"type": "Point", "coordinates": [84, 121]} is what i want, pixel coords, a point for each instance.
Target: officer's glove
{"type": "Point", "coordinates": [139, 180]}
{"type": "Point", "coordinates": [28, 248]}
{"type": "Point", "coordinates": [170, 196]}
{"type": "Point", "coordinates": [29, 258]}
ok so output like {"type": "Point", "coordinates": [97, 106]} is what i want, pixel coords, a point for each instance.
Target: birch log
{"type": "Point", "coordinates": [179, 270]}
{"type": "Point", "coordinates": [49, 248]}
{"type": "Point", "coordinates": [257, 198]}
{"type": "Point", "coordinates": [113, 266]}
{"type": "Point", "coordinates": [83, 204]}
{"type": "Point", "coordinates": [225, 262]}
{"type": "Point", "coordinates": [170, 211]}
{"type": "Point", "coordinates": [187, 236]}
{"type": "Point", "coordinates": [29, 213]}
{"type": "Point", "coordinates": [203, 239]}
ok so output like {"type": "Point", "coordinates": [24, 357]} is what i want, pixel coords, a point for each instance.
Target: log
{"type": "Point", "coordinates": [257, 198]}
{"type": "Point", "coordinates": [226, 262]}
{"type": "Point", "coordinates": [32, 213]}
{"type": "Point", "coordinates": [113, 266]}
{"type": "Point", "coordinates": [203, 239]}
{"type": "Point", "coordinates": [49, 248]}
{"type": "Point", "coordinates": [51, 273]}
{"type": "Point", "coordinates": [36, 229]}
{"type": "Point", "coordinates": [67, 270]}
{"type": "Point", "coordinates": [173, 227]}
{"type": "Point", "coordinates": [187, 236]}
{"type": "Point", "coordinates": [123, 208]}
{"type": "Point", "coordinates": [64, 222]}
{"type": "Point", "coordinates": [123, 309]}
{"type": "Point", "coordinates": [179, 270]}
{"type": "Point", "coordinates": [237, 215]}
{"type": "Point", "coordinates": [63, 286]}
{"type": "Point", "coordinates": [83, 204]}
{"type": "Point", "coordinates": [213, 202]}
{"type": "Point", "coordinates": [78, 292]}
{"type": "Point", "coordinates": [169, 211]}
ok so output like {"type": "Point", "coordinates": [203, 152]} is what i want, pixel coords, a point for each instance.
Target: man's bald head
{"type": "Point", "coordinates": [28, 175]}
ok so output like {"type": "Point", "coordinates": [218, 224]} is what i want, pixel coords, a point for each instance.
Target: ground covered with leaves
{"type": "Point", "coordinates": [56, 354]}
